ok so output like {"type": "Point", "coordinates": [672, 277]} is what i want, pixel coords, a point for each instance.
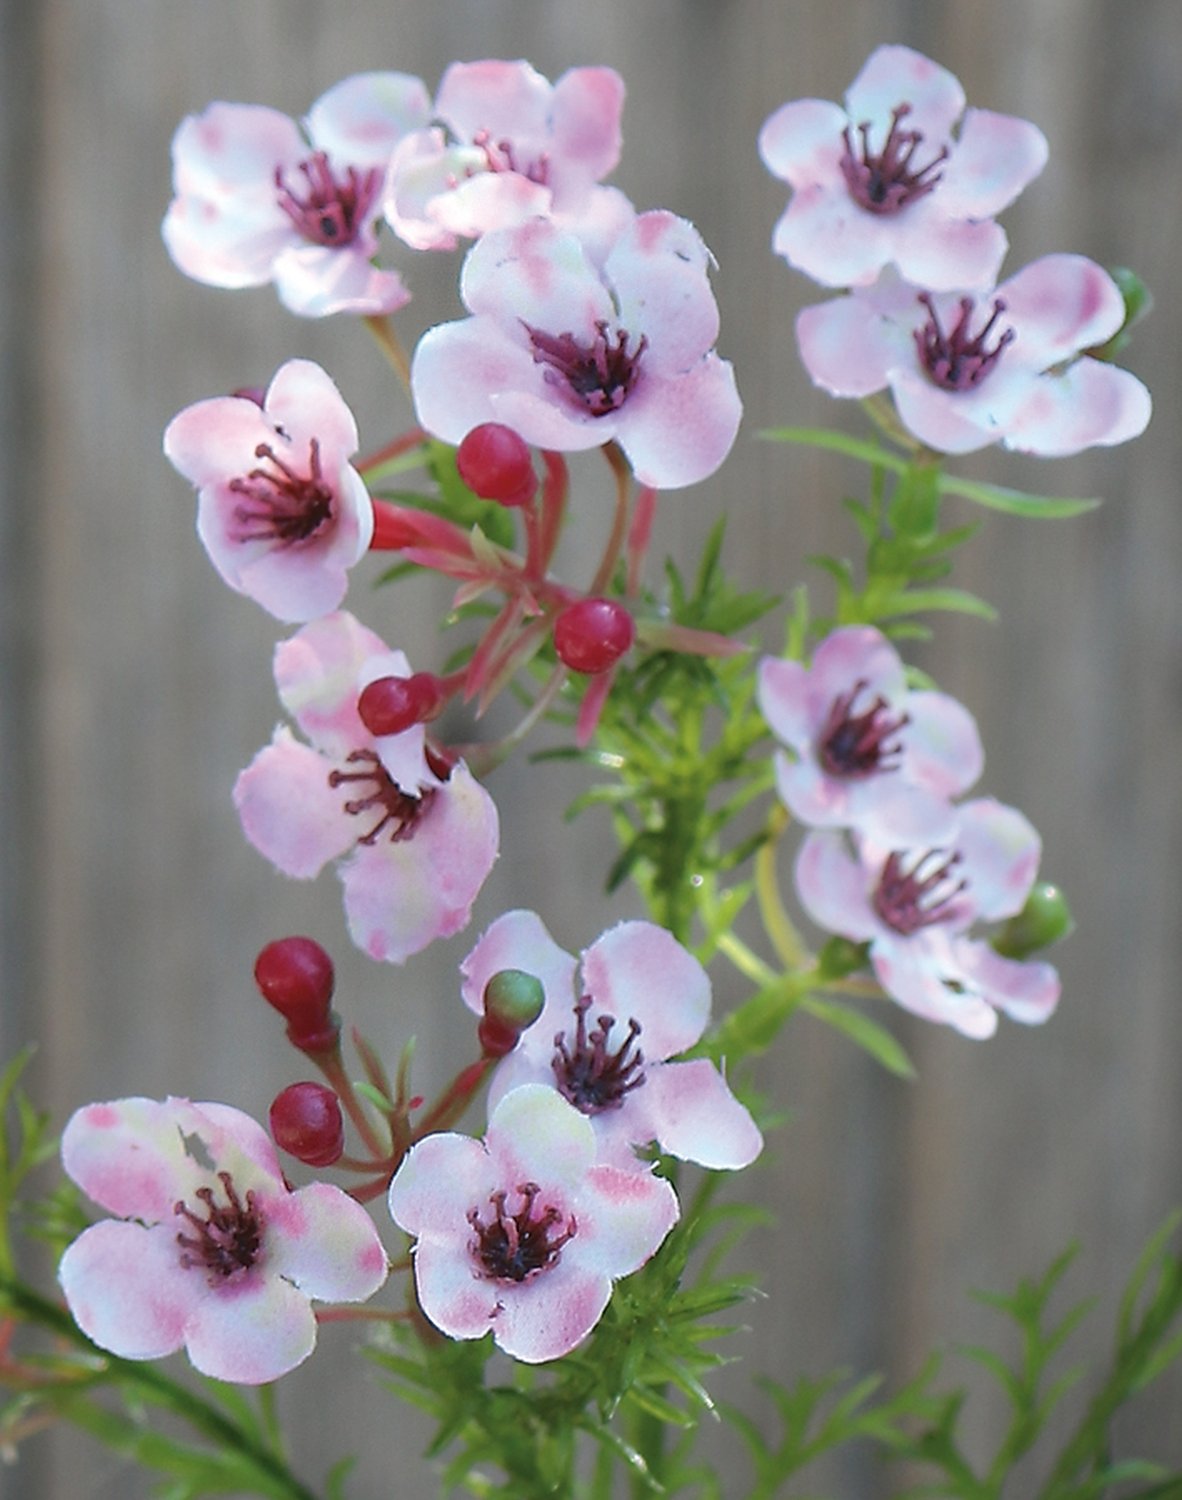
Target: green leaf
{"type": "Point", "coordinates": [1015, 502]}
{"type": "Point", "coordinates": [868, 1034]}
{"type": "Point", "coordinates": [914, 601]}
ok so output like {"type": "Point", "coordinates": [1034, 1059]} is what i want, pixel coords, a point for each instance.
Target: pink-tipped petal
{"type": "Point", "coordinates": [362, 119]}
{"type": "Point", "coordinates": [251, 1332]}
{"type": "Point", "coordinates": [678, 431]}
{"type": "Point", "coordinates": [893, 75]}
{"type": "Point", "coordinates": [833, 888]}
{"type": "Point", "coordinates": [126, 1288]}
{"type": "Point", "coordinates": [658, 271]}
{"type": "Point", "coordinates": [315, 281]}
{"type": "Point", "coordinates": [1059, 305]}
{"type": "Point", "coordinates": [519, 940]}
{"type": "Point", "coordinates": [324, 1242]}
{"type": "Point", "coordinates": [847, 349]}
{"type": "Point", "coordinates": [1001, 850]}
{"type": "Point", "coordinates": [288, 810]}
{"type": "Point", "coordinates": [825, 234]}
{"type": "Point", "coordinates": [317, 672]}
{"type": "Point", "coordinates": [699, 1118]}
{"type": "Point", "coordinates": [1090, 404]}
{"type": "Point", "coordinates": [639, 971]}
{"type": "Point", "coordinates": [585, 124]}
{"type": "Point", "coordinates": [627, 1216]}
{"type": "Point", "coordinates": [996, 157]}
{"type": "Point", "coordinates": [944, 749]}
{"type": "Point", "coordinates": [440, 1179]}
{"type": "Point", "coordinates": [925, 977]}
{"type": "Point", "coordinates": [1026, 992]}
{"type": "Point", "coordinates": [129, 1156]}
{"type": "Point", "coordinates": [801, 141]}
{"type": "Point", "coordinates": [452, 1294]}
{"type": "Point", "coordinates": [547, 1318]}
{"type": "Point", "coordinates": [215, 440]}
{"type": "Point", "coordinates": [535, 1135]}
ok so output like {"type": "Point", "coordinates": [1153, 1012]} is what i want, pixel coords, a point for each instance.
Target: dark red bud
{"type": "Point", "coordinates": [495, 463]}
{"type": "Point", "coordinates": [295, 976]}
{"type": "Point", "coordinates": [390, 705]}
{"type": "Point", "coordinates": [306, 1122]}
{"type": "Point", "coordinates": [593, 634]}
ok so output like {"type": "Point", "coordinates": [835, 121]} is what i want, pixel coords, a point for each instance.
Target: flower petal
{"type": "Point", "coordinates": [325, 1243]}
{"type": "Point", "coordinates": [127, 1289]}
{"type": "Point", "coordinates": [639, 971]}
{"type": "Point", "coordinates": [697, 1116]}
{"type": "Point", "coordinates": [250, 1330]}
{"type": "Point", "coordinates": [288, 810]}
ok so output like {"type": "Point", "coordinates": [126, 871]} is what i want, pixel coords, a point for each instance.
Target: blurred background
{"type": "Point", "coordinates": [135, 686]}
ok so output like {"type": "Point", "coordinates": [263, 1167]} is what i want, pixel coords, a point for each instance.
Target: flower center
{"type": "Point", "coordinates": [953, 360]}
{"type": "Point", "coordinates": [855, 744]}
{"type": "Point", "coordinates": [598, 373]}
{"type": "Point", "coordinates": [886, 181]}
{"type": "Point", "coordinates": [908, 899]}
{"type": "Point", "coordinates": [280, 505]}
{"type": "Point", "coordinates": [519, 1246]}
{"type": "Point", "coordinates": [387, 799]}
{"type": "Point", "coordinates": [587, 1074]}
{"type": "Point", "coordinates": [332, 210]}
{"type": "Point", "coordinates": [226, 1239]}
{"type": "Point", "coordinates": [500, 156]}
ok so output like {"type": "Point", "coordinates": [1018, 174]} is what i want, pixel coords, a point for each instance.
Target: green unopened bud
{"type": "Point", "coordinates": [1044, 919]}
{"type": "Point", "coordinates": [513, 1000]}
{"type": "Point", "coordinates": [840, 957]}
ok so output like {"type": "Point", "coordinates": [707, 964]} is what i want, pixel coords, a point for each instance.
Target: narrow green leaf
{"type": "Point", "coordinates": [868, 1034]}
{"type": "Point", "coordinates": [914, 601]}
{"type": "Point", "coordinates": [1015, 502]}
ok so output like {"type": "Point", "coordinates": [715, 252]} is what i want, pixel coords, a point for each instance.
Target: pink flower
{"type": "Point", "coordinates": [868, 752]}
{"type": "Point", "coordinates": [522, 1234]}
{"type": "Point", "coordinates": [417, 835]}
{"type": "Point", "coordinates": [1005, 366]}
{"type": "Point", "coordinates": [281, 513]}
{"type": "Point", "coordinates": [914, 906]}
{"type": "Point", "coordinates": [258, 200]}
{"type": "Point", "coordinates": [608, 1027]}
{"type": "Point", "coordinates": [522, 148]}
{"type": "Point", "coordinates": [890, 179]}
{"type": "Point", "coordinates": [211, 1249]}
{"type": "Point", "coordinates": [572, 358]}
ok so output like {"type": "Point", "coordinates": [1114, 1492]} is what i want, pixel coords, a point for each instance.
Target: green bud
{"type": "Point", "coordinates": [840, 957]}
{"type": "Point", "coordinates": [1044, 919]}
{"type": "Point", "coordinates": [513, 1000]}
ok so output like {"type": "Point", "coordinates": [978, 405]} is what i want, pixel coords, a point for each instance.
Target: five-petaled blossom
{"type": "Point", "coordinates": [416, 833]}
{"type": "Point", "coordinates": [210, 1250]}
{"type": "Point", "coordinates": [572, 357]}
{"type": "Point", "coordinates": [868, 751]}
{"type": "Point", "coordinates": [890, 179]}
{"type": "Point", "coordinates": [523, 1233]}
{"type": "Point", "coordinates": [914, 906]}
{"type": "Point", "coordinates": [1008, 365]}
{"type": "Point", "coordinates": [280, 511]}
{"type": "Point", "coordinates": [259, 200]}
{"type": "Point", "coordinates": [521, 148]}
{"type": "Point", "coordinates": [609, 1026]}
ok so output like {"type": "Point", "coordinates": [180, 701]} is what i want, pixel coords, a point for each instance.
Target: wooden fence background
{"type": "Point", "coordinates": [136, 686]}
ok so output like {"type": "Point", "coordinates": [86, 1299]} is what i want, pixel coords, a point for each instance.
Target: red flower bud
{"type": "Point", "coordinates": [495, 463]}
{"type": "Point", "coordinates": [388, 705]}
{"type": "Point", "coordinates": [295, 976]}
{"type": "Point", "coordinates": [513, 1000]}
{"type": "Point", "coordinates": [593, 634]}
{"type": "Point", "coordinates": [306, 1122]}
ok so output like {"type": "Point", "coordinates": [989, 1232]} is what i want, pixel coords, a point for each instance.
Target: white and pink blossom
{"type": "Point", "coordinates": [259, 199]}
{"type": "Point", "coordinates": [523, 1233]}
{"type": "Point", "coordinates": [1008, 365]}
{"type": "Point", "coordinates": [893, 179]}
{"type": "Point", "coordinates": [572, 357]}
{"type": "Point", "coordinates": [416, 834]}
{"type": "Point", "coordinates": [210, 1250]}
{"type": "Point", "coordinates": [519, 148]}
{"type": "Point", "coordinates": [867, 751]}
{"type": "Point", "coordinates": [611, 1023]}
{"type": "Point", "coordinates": [280, 510]}
{"type": "Point", "coordinates": [914, 906]}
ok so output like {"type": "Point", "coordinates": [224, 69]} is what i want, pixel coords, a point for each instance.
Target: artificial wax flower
{"type": "Point", "coordinates": [610, 1024]}
{"type": "Point", "coordinates": [258, 199]}
{"type": "Point", "coordinates": [914, 906]}
{"type": "Point", "coordinates": [521, 147]}
{"type": "Point", "coordinates": [523, 1233]}
{"type": "Point", "coordinates": [1006, 366]}
{"type": "Point", "coordinates": [280, 511]}
{"type": "Point", "coordinates": [416, 834]}
{"type": "Point", "coordinates": [892, 180]}
{"type": "Point", "coordinates": [210, 1249]}
{"type": "Point", "coordinates": [868, 752]}
{"type": "Point", "coordinates": [572, 357]}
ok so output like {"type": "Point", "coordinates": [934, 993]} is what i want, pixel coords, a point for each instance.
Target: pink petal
{"type": "Point", "coordinates": [848, 347]}
{"type": "Point", "coordinates": [535, 274]}
{"type": "Point", "coordinates": [894, 75]}
{"type": "Point", "coordinates": [956, 421]}
{"type": "Point", "coordinates": [534, 1135]}
{"type": "Point", "coordinates": [658, 270]}
{"type": "Point", "coordinates": [303, 400]}
{"type": "Point", "coordinates": [639, 971]}
{"type": "Point", "coordinates": [825, 234]}
{"type": "Point", "coordinates": [1026, 992]}
{"type": "Point", "coordinates": [585, 126]}
{"type": "Point", "coordinates": [519, 940]}
{"type": "Point", "coordinates": [486, 201]}
{"type": "Point", "coordinates": [422, 168]}
{"type": "Point", "coordinates": [941, 744]}
{"type": "Point", "coordinates": [250, 1329]}
{"type": "Point", "coordinates": [325, 1243]}
{"type": "Point", "coordinates": [318, 671]}
{"type": "Point", "coordinates": [127, 1290]}
{"type": "Point", "coordinates": [315, 281]}
{"type": "Point", "coordinates": [457, 370]}
{"type": "Point", "coordinates": [1001, 851]}
{"type": "Point", "coordinates": [213, 441]}
{"type": "Point", "coordinates": [453, 1295]}
{"type": "Point", "coordinates": [996, 156]}
{"type": "Point", "coordinates": [233, 148]}
{"type": "Point", "coordinates": [855, 653]}
{"type": "Point", "coordinates": [360, 120]}
{"type": "Point", "coordinates": [1089, 404]}
{"type": "Point", "coordinates": [625, 1217]}
{"type": "Point", "coordinates": [546, 1318]}
{"type": "Point", "coordinates": [679, 430]}
{"type": "Point", "coordinates": [1059, 305]}
{"type": "Point", "coordinates": [129, 1156]}
{"type": "Point", "coordinates": [441, 1178]}
{"type": "Point", "coordinates": [925, 976]}
{"type": "Point", "coordinates": [802, 141]}
{"type": "Point", "coordinates": [226, 243]}
{"type": "Point", "coordinates": [833, 888]}
{"type": "Point", "coordinates": [510, 100]}
{"type": "Point", "coordinates": [698, 1118]}
{"type": "Point", "coordinates": [288, 810]}
{"type": "Point", "coordinates": [934, 250]}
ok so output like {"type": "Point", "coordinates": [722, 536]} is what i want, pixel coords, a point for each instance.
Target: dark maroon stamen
{"type": "Point", "coordinates": [280, 504]}
{"type": "Point", "coordinates": [908, 899]}
{"type": "Point", "coordinates": [228, 1239]}
{"type": "Point", "coordinates": [387, 799]}
{"type": "Point", "coordinates": [501, 157]}
{"type": "Point", "coordinates": [333, 210]}
{"type": "Point", "coordinates": [518, 1247]}
{"type": "Point", "coordinates": [953, 360]}
{"type": "Point", "coordinates": [855, 744]}
{"type": "Point", "coordinates": [884, 182]}
{"type": "Point", "coordinates": [590, 1076]}
{"type": "Point", "coordinates": [598, 374]}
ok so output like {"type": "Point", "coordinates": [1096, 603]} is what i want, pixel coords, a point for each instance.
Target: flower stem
{"type": "Point", "coordinates": [777, 924]}
{"type": "Point", "coordinates": [619, 467]}
{"type": "Point", "coordinates": [390, 345]}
